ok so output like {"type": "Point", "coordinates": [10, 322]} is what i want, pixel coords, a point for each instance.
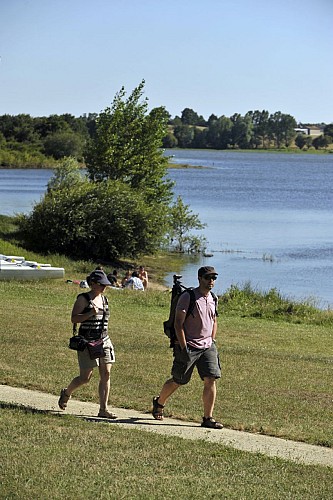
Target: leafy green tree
{"type": "Point", "coordinates": [303, 140]}
{"type": "Point", "coordinates": [176, 121]}
{"type": "Point", "coordinates": [120, 209]}
{"type": "Point", "coordinates": [282, 128]}
{"type": "Point", "coordinates": [67, 174]}
{"type": "Point", "coordinates": [219, 133]}
{"type": "Point", "coordinates": [62, 144]}
{"type": "Point", "coordinates": [242, 130]}
{"type": "Point", "coordinates": [50, 125]}
{"type": "Point", "coordinates": [18, 128]}
{"type": "Point", "coordinates": [190, 117]}
{"type": "Point", "coordinates": [127, 146]}
{"type": "Point", "coordinates": [169, 141]}
{"type": "Point", "coordinates": [181, 221]}
{"type": "Point", "coordinates": [200, 138]}
{"type": "Point", "coordinates": [322, 141]}
{"type": "Point", "coordinates": [328, 130]}
{"type": "Point", "coordinates": [289, 125]}
{"type": "Point", "coordinates": [2, 140]}
{"type": "Point", "coordinates": [212, 119]}
{"type": "Point", "coordinates": [184, 135]}
{"type": "Point", "coordinates": [261, 127]}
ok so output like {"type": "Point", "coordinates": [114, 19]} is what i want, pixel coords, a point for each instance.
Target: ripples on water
{"type": "Point", "coordinates": [269, 217]}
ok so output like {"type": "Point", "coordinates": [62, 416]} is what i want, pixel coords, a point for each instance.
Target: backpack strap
{"type": "Point", "coordinates": [192, 302]}
{"type": "Point", "coordinates": [216, 300]}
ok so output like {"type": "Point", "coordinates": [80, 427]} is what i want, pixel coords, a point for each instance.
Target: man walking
{"type": "Point", "coordinates": [195, 346]}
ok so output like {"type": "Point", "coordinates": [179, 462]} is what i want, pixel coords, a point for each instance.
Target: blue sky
{"type": "Point", "coordinates": [214, 56]}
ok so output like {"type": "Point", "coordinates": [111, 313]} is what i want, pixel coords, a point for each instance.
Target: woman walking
{"type": "Point", "coordinates": [92, 312]}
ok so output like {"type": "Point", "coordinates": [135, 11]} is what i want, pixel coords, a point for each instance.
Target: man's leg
{"type": "Point", "coordinates": [168, 389]}
{"type": "Point", "coordinates": [209, 396]}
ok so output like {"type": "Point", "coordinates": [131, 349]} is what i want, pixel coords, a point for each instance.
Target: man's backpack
{"type": "Point", "coordinates": [177, 290]}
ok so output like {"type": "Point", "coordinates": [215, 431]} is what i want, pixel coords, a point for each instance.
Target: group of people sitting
{"type": "Point", "coordinates": [136, 280]}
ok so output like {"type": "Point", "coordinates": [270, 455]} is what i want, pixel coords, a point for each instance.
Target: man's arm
{"type": "Point", "coordinates": [179, 327]}
{"type": "Point", "coordinates": [214, 328]}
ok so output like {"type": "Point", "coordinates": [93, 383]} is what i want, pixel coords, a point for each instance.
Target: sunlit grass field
{"type": "Point", "coordinates": [277, 368]}
{"type": "Point", "coordinates": [45, 456]}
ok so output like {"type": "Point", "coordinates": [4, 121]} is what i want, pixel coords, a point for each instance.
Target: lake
{"type": "Point", "coordinates": [268, 216]}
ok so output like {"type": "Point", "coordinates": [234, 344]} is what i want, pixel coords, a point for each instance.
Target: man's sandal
{"type": "Point", "coordinates": [210, 423]}
{"type": "Point", "coordinates": [157, 409]}
{"type": "Point", "coordinates": [63, 400]}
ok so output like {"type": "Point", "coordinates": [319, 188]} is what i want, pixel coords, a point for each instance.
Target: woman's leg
{"type": "Point", "coordinates": [65, 394]}
{"type": "Point", "coordinates": [104, 385]}
{"type": "Point", "coordinates": [83, 378]}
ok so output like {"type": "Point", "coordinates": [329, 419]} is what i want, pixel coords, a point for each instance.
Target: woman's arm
{"type": "Point", "coordinates": [78, 316]}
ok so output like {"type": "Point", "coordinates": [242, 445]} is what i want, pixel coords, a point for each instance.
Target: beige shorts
{"type": "Point", "coordinates": [85, 363]}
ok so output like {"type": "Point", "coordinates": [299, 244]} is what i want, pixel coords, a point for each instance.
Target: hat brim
{"type": "Point", "coordinates": [104, 282]}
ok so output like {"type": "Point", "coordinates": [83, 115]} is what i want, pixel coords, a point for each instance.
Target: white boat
{"type": "Point", "coordinates": [13, 267]}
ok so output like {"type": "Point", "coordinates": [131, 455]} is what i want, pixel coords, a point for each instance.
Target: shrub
{"type": "Point", "coordinates": [104, 220]}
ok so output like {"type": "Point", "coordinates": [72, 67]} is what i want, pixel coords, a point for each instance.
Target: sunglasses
{"type": "Point", "coordinates": [210, 277]}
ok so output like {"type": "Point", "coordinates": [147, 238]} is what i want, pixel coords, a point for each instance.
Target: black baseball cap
{"type": "Point", "coordinates": [207, 270]}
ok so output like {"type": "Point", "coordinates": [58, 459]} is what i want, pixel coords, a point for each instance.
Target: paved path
{"type": "Point", "coordinates": [245, 441]}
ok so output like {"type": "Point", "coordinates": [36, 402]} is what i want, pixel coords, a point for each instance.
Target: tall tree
{"type": "Point", "coordinates": [127, 146]}
{"type": "Point", "coordinates": [181, 221]}
{"type": "Point", "coordinates": [121, 208]}
{"type": "Point", "coordinates": [241, 133]}
{"type": "Point", "coordinates": [328, 130]}
{"type": "Point", "coordinates": [219, 133]}
{"type": "Point", "coordinates": [62, 144]}
{"type": "Point", "coordinates": [282, 128]}
{"type": "Point", "coordinates": [189, 117]}
{"type": "Point", "coordinates": [184, 135]}
{"type": "Point", "coordinates": [261, 127]}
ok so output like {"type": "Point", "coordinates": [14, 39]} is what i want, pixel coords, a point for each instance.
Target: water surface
{"type": "Point", "coordinates": [268, 216]}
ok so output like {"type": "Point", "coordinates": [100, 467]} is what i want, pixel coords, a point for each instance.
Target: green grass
{"type": "Point", "coordinates": [276, 375]}
{"type": "Point", "coordinates": [252, 303]}
{"type": "Point", "coordinates": [276, 379]}
{"type": "Point", "coordinates": [45, 456]}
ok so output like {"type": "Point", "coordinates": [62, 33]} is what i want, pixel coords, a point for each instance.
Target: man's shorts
{"type": "Point", "coordinates": [207, 362]}
{"type": "Point", "coordinates": [85, 363]}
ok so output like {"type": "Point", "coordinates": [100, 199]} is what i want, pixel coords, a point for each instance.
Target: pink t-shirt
{"type": "Point", "coordinates": [198, 326]}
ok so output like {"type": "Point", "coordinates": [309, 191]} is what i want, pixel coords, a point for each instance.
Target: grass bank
{"type": "Point", "coordinates": [45, 456]}
{"type": "Point", "coordinates": [277, 364]}
{"type": "Point", "coordinates": [277, 356]}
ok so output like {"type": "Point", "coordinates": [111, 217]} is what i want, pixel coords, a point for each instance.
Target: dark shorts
{"type": "Point", "coordinates": [207, 362]}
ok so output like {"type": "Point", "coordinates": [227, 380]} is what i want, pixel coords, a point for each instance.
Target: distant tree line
{"type": "Point", "coordinates": [27, 141]}
{"type": "Point", "coordinates": [41, 141]}
{"type": "Point", "coordinates": [256, 129]}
